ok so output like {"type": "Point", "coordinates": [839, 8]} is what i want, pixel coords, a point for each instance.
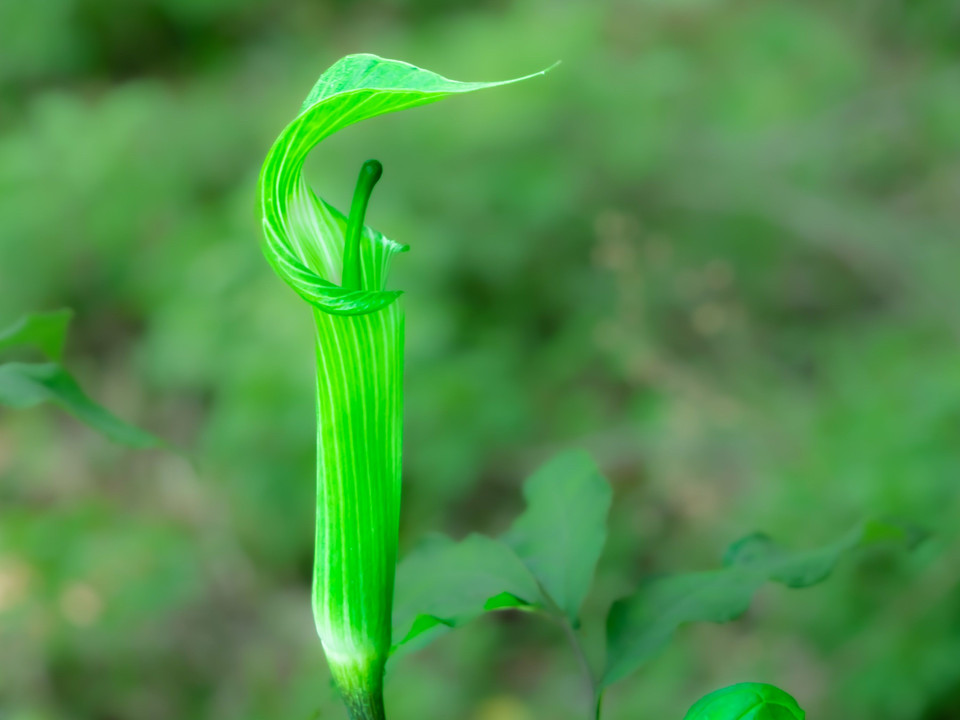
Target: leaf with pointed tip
{"type": "Point", "coordinates": [562, 532]}
{"type": "Point", "coordinates": [545, 561]}
{"type": "Point", "coordinates": [800, 569]}
{"type": "Point", "coordinates": [445, 584]}
{"type": "Point", "coordinates": [47, 332]}
{"type": "Point", "coordinates": [24, 385]}
{"type": "Point", "coordinates": [640, 625]}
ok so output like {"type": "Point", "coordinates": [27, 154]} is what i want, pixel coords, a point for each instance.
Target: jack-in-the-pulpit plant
{"type": "Point", "coordinates": [339, 266]}
{"type": "Point", "coordinates": [544, 564]}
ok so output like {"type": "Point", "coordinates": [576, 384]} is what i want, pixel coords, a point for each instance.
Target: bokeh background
{"type": "Point", "coordinates": [717, 247]}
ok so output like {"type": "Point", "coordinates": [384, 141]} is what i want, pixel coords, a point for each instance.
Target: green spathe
{"type": "Point", "coordinates": [339, 266]}
{"type": "Point", "coordinates": [746, 701]}
{"type": "Point", "coordinates": [304, 236]}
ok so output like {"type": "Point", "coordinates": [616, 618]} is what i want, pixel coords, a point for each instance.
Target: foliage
{"type": "Point", "coordinates": [717, 250]}
{"type": "Point", "coordinates": [444, 584]}
{"type": "Point", "coordinates": [746, 701]}
{"type": "Point", "coordinates": [23, 385]}
{"type": "Point", "coordinates": [639, 626]}
{"type": "Point", "coordinates": [545, 562]}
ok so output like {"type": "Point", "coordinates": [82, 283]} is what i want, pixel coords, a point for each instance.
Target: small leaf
{"type": "Point", "coordinates": [562, 532]}
{"type": "Point", "coordinates": [640, 625]}
{"type": "Point", "coordinates": [506, 601]}
{"type": "Point", "coordinates": [24, 385]}
{"type": "Point", "coordinates": [46, 332]}
{"type": "Point", "coordinates": [447, 583]}
{"type": "Point", "coordinates": [555, 543]}
{"type": "Point", "coordinates": [802, 569]}
{"type": "Point", "coordinates": [746, 701]}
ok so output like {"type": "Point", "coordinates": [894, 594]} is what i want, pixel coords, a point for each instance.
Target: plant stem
{"type": "Point", "coordinates": [370, 173]}
{"type": "Point", "coordinates": [366, 706]}
{"type": "Point", "coordinates": [592, 684]}
{"type": "Point", "coordinates": [554, 612]}
{"type": "Point", "coordinates": [360, 686]}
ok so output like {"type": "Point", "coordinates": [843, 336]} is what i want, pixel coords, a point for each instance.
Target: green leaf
{"type": "Point", "coordinates": [544, 562]}
{"type": "Point", "coordinates": [445, 584]}
{"type": "Point", "coordinates": [562, 532]}
{"type": "Point", "coordinates": [303, 235]}
{"type": "Point", "coordinates": [640, 625]}
{"type": "Point", "coordinates": [799, 569]}
{"type": "Point", "coordinates": [746, 701]}
{"type": "Point", "coordinates": [46, 332]}
{"type": "Point", "coordinates": [24, 385]}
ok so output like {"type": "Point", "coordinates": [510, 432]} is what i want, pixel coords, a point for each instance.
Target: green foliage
{"type": "Point", "coordinates": [562, 532]}
{"type": "Point", "coordinates": [556, 543]}
{"type": "Point", "coordinates": [24, 385]}
{"type": "Point", "coordinates": [716, 247]}
{"type": "Point", "coordinates": [640, 625]}
{"type": "Point", "coordinates": [545, 562]}
{"type": "Point", "coordinates": [446, 583]}
{"type": "Point", "coordinates": [758, 553]}
{"type": "Point", "coordinates": [746, 701]}
{"type": "Point", "coordinates": [47, 332]}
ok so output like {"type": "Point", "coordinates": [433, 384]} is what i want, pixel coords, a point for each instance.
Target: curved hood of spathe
{"type": "Point", "coordinates": [303, 236]}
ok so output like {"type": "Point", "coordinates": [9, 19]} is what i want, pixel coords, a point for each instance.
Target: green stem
{"type": "Point", "coordinates": [554, 612]}
{"type": "Point", "coordinates": [581, 655]}
{"type": "Point", "coordinates": [366, 707]}
{"type": "Point", "coordinates": [370, 173]}
{"type": "Point", "coordinates": [362, 693]}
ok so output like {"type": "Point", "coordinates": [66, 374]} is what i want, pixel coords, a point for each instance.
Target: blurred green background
{"type": "Point", "coordinates": [717, 247]}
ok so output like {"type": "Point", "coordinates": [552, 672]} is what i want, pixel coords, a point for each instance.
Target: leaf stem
{"type": "Point", "coordinates": [554, 612]}
{"type": "Point", "coordinates": [370, 173]}
{"type": "Point", "coordinates": [581, 655]}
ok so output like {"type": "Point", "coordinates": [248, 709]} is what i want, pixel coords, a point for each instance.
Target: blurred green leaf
{"type": "Point", "coordinates": [46, 332]}
{"type": "Point", "coordinates": [799, 569]}
{"type": "Point", "coordinates": [562, 532]}
{"type": "Point", "coordinates": [640, 625]}
{"type": "Point", "coordinates": [545, 561]}
{"type": "Point", "coordinates": [24, 385]}
{"type": "Point", "coordinates": [447, 583]}
{"type": "Point", "coordinates": [746, 701]}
